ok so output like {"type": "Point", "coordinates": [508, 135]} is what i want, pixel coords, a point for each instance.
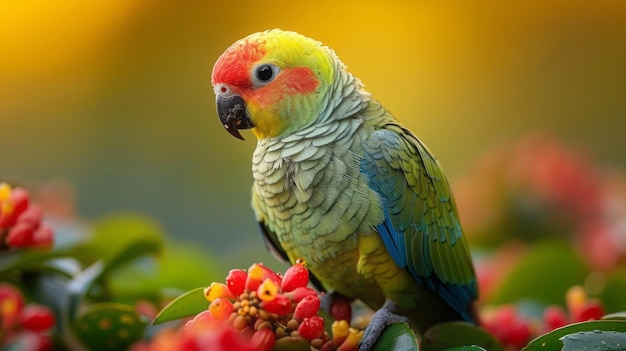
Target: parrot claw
{"type": "Point", "coordinates": [380, 320]}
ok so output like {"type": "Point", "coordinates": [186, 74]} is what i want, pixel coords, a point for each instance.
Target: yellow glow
{"type": "Point", "coordinates": [42, 36]}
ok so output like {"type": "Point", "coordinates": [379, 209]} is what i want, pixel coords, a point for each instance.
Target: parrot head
{"type": "Point", "coordinates": [273, 82]}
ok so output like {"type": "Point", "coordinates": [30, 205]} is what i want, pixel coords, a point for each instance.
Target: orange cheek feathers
{"type": "Point", "coordinates": [264, 104]}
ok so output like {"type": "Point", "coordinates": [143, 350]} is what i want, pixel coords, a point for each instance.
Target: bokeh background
{"type": "Point", "coordinates": [113, 98]}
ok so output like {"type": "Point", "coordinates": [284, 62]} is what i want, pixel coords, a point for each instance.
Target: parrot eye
{"type": "Point", "coordinates": [264, 74]}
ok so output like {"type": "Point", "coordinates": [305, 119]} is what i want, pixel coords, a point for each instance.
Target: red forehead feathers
{"type": "Point", "coordinates": [234, 65]}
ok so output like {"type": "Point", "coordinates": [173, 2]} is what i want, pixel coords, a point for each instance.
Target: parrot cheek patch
{"type": "Point", "coordinates": [299, 80]}
{"type": "Point", "coordinates": [291, 81]}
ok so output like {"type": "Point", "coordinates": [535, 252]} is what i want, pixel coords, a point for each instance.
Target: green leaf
{"type": "Point", "coordinates": [553, 340]}
{"type": "Point", "coordinates": [117, 232]}
{"type": "Point", "coordinates": [466, 348]}
{"type": "Point", "coordinates": [132, 251]}
{"type": "Point", "coordinates": [458, 334]}
{"type": "Point", "coordinates": [397, 336]}
{"type": "Point", "coordinates": [594, 340]}
{"type": "Point", "coordinates": [151, 277]}
{"type": "Point", "coordinates": [30, 260]}
{"type": "Point", "coordinates": [83, 282]}
{"type": "Point", "coordinates": [190, 303]}
{"type": "Point", "coordinates": [78, 287]}
{"type": "Point", "coordinates": [328, 321]}
{"type": "Point", "coordinates": [547, 261]}
{"type": "Point", "coordinates": [108, 326]}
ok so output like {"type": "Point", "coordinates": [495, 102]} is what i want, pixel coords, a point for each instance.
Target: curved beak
{"type": "Point", "coordinates": [233, 114]}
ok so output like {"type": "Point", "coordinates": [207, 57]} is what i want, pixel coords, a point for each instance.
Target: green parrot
{"type": "Point", "coordinates": [340, 183]}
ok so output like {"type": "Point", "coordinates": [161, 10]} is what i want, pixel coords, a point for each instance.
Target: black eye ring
{"type": "Point", "coordinates": [265, 73]}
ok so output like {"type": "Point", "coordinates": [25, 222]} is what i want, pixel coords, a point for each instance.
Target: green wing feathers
{"type": "Point", "coordinates": [421, 229]}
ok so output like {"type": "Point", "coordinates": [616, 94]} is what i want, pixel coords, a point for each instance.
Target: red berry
{"type": "Point", "coordinates": [263, 339]}
{"type": "Point", "coordinates": [298, 294]}
{"type": "Point", "coordinates": [554, 317]}
{"type": "Point", "coordinates": [219, 337]}
{"type": "Point", "coordinates": [202, 321]}
{"type": "Point", "coordinates": [7, 219]}
{"type": "Point", "coordinates": [230, 340]}
{"type": "Point", "coordinates": [236, 281]}
{"type": "Point", "coordinates": [328, 346]}
{"type": "Point", "coordinates": [519, 333]}
{"type": "Point", "coordinates": [43, 236]}
{"type": "Point", "coordinates": [20, 235]}
{"type": "Point", "coordinates": [506, 315]}
{"type": "Point", "coordinates": [510, 327]}
{"type": "Point", "coordinates": [311, 328]}
{"type": "Point", "coordinates": [21, 200]}
{"type": "Point", "coordinates": [591, 310]}
{"type": "Point", "coordinates": [246, 333]}
{"type": "Point", "coordinates": [341, 309]}
{"type": "Point", "coordinates": [296, 276]}
{"type": "Point", "coordinates": [507, 326]}
{"type": "Point", "coordinates": [257, 273]}
{"type": "Point", "coordinates": [37, 318]}
{"type": "Point", "coordinates": [307, 307]}
{"type": "Point", "coordinates": [14, 206]}
{"type": "Point", "coordinates": [33, 215]}
{"type": "Point", "coordinates": [11, 304]}
{"type": "Point", "coordinates": [281, 305]}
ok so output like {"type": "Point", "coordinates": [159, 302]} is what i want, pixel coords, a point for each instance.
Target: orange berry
{"type": "Point", "coordinates": [221, 308]}
{"type": "Point", "coordinates": [217, 290]}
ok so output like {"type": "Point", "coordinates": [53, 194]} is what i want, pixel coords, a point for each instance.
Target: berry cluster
{"type": "Point", "coordinates": [515, 330]}
{"type": "Point", "coordinates": [20, 221]}
{"type": "Point", "coordinates": [24, 327]}
{"type": "Point", "coordinates": [269, 311]}
{"type": "Point", "coordinates": [580, 308]}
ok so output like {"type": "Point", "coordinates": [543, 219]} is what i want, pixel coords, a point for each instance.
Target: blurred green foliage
{"type": "Point", "coordinates": [97, 283]}
{"type": "Point", "coordinates": [545, 272]}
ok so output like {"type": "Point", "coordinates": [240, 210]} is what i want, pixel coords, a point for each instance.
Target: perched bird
{"type": "Point", "coordinates": [340, 183]}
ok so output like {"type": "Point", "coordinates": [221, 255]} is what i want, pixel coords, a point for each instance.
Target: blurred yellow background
{"type": "Point", "coordinates": [115, 96]}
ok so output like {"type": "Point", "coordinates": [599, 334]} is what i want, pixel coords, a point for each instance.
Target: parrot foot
{"type": "Point", "coordinates": [380, 320]}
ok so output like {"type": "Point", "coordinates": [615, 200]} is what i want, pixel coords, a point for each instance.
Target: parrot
{"type": "Point", "coordinates": [341, 184]}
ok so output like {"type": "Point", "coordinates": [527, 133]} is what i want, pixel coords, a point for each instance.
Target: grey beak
{"type": "Point", "coordinates": [233, 114]}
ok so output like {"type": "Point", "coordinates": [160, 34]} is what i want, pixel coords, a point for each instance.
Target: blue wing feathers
{"type": "Point", "coordinates": [392, 240]}
{"type": "Point", "coordinates": [420, 225]}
